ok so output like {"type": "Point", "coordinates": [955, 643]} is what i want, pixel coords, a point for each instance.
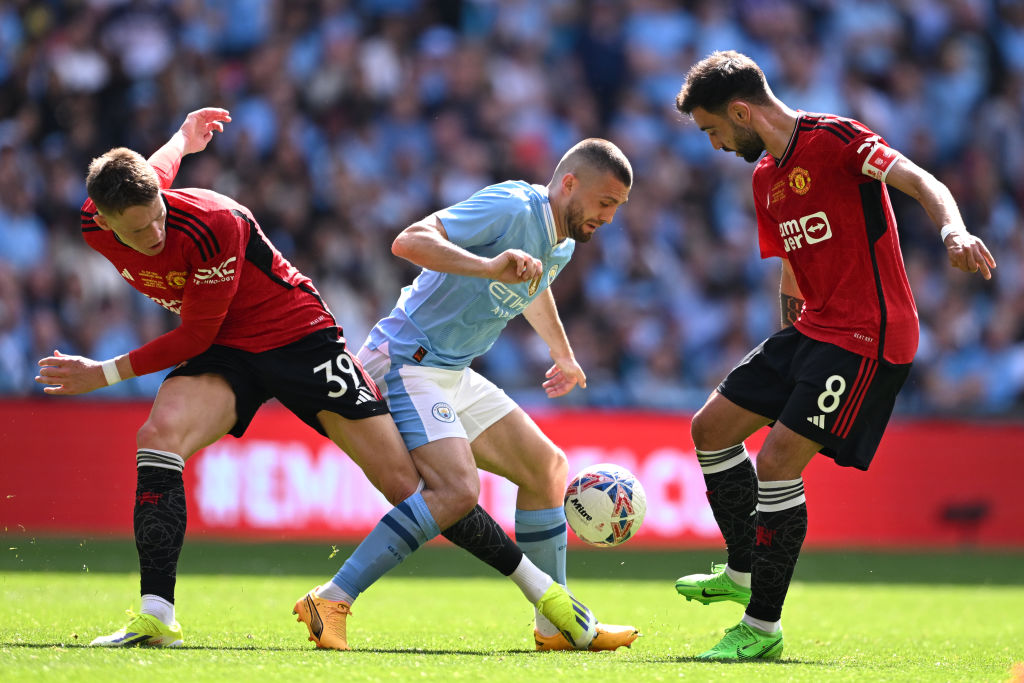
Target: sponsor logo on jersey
{"type": "Point", "coordinates": [443, 412]}
{"type": "Point", "coordinates": [800, 180]}
{"type": "Point", "coordinates": [172, 305]}
{"type": "Point", "coordinates": [177, 278]}
{"type": "Point", "coordinates": [509, 304]}
{"type": "Point", "coordinates": [216, 274]}
{"type": "Point", "coordinates": [127, 276]}
{"type": "Point", "coordinates": [809, 229]}
{"type": "Point", "coordinates": [552, 274]}
{"type": "Point", "coordinates": [534, 284]}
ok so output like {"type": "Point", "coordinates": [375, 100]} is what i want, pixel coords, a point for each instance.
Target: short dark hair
{"type": "Point", "coordinates": [119, 179]}
{"type": "Point", "coordinates": [599, 155]}
{"type": "Point", "coordinates": [718, 79]}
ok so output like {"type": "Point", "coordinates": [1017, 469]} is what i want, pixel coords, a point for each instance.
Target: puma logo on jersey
{"type": "Point", "coordinates": [801, 232]}
{"type": "Point", "coordinates": [222, 272]}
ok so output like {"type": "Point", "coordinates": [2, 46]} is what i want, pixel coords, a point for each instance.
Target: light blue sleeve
{"type": "Point", "coordinates": [484, 218]}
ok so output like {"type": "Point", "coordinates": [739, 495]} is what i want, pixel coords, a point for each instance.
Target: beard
{"type": "Point", "coordinates": [749, 144]}
{"type": "Point", "coordinates": [574, 222]}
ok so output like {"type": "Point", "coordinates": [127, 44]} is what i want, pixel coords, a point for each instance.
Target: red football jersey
{"type": "Point", "coordinates": [218, 271]}
{"type": "Point", "coordinates": [824, 206]}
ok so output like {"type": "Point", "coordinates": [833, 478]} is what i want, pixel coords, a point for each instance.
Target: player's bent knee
{"type": "Point", "coordinates": [699, 431]}
{"type": "Point", "coordinates": [461, 496]}
{"type": "Point", "coordinates": [547, 476]}
{"type": "Point", "coordinates": [159, 435]}
{"type": "Point", "coordinates": [396, 491]}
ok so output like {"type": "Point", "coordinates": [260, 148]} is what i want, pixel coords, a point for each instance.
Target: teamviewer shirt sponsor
{"type": "Point", "coordinates": [824, 206]}
{"type": "Point", "coordinates": [218, 271]}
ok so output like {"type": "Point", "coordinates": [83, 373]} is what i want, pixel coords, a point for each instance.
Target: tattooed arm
{"type": "Point", "coordinates": [790, 296]}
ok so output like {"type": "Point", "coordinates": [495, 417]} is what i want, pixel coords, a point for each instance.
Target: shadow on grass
{"type": "Point", "coordinates": [200, 556]}
{"type": "Point", "coordinates": [271, 648]}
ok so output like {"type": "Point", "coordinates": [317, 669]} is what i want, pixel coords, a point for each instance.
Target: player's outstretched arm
{"type": "Point", "coordinates": [198, 128]}
{"type": "Point", "coordinates": [426, 244]}
{"type": "Point", "coordinates": [192, 136]}
{"type": "Point", "coordinates": [70, 375]}
{"type": "Point", "coordinates": [566, 373]}
{"type": "Point", "coordinates": [966, 252]}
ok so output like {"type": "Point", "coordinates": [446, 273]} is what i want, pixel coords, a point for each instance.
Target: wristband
{"type": "Point", "coordinates": [110, 371]}
{"type": "Point", "coordinates": [944, 233]}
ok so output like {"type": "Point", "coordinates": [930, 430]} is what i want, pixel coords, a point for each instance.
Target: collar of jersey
{"type": "Point", "coordinates": [549, 216]}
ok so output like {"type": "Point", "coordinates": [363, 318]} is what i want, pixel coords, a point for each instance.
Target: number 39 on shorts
{"type": "Point", "coordinates": [828, 400]}
{"type": "Point", "coordinates": [347, 367]}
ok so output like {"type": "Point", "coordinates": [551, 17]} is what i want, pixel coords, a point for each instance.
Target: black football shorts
{"type": "Point", "coordinates": [312, 374]}
{"type": "Point", "coordinates": [832, 396]}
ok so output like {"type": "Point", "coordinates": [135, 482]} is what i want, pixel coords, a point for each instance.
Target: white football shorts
{"type": "Point", "coordinates": [429, 404]}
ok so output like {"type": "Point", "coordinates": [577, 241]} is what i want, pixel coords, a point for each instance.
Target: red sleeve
{"type": "Point", "coordinates": [165, 161]}
{"type": "Point", "coordinates": [767, 227]}
{"type": "Point", "coordinates": [868, 154]}
{"type": "Point", "coordinates": [208, 294]}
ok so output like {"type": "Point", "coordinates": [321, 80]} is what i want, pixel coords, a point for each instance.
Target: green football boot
{"type": "Point", "coordinates": [743, 643]}
{"type": "Point", "coordinates": [713, 587]}
{"type": "Point", "coordinates": [145, 630]}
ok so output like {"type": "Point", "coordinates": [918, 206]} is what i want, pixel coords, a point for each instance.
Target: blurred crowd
{"type": "Point", "coordinates": [354, 118]}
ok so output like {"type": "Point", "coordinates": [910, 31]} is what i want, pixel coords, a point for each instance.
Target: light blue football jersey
{"type": "Point", "coordinates": [445, 321]}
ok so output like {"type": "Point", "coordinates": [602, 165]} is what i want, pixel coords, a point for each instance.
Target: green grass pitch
{"type": "Point", "coordinates": [443, 616]}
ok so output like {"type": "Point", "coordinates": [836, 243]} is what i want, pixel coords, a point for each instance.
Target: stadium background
{"type": "Point", "coordinates": [352, 119]}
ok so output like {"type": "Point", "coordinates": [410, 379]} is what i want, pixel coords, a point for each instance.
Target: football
{"type": "Point", "coordinates": [605, 504]}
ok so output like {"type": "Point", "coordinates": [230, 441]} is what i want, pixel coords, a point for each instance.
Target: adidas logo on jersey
{"type": "Point", "coordinates": [817, 420]}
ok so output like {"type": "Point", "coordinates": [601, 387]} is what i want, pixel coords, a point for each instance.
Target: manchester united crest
{"type": "Point", "coordinates": [800, 180]}
{"type": "Point", "coordinates": [177, 278]}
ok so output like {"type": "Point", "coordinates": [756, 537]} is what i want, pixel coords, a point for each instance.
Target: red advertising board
{"type": "Point", "coordinates": [68, 467]}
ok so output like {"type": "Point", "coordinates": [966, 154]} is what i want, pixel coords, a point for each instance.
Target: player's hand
{"type": "Point", "coordinates": [514, 265]}
{"type": "Point", "coordinates": [69, 375]}
{"type": "Point", "coordinates": [968, 253]}
{"type": "Point", "coordinates": [197, 130]}
{"type": "Point", "coordinates": [563, 376]}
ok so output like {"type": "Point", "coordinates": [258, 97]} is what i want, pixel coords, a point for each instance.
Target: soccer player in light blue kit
{"type": "Point", "coordinates": [485, 260]}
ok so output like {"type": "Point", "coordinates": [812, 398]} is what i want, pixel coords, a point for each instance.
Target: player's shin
{"type": "Point", "coordinates": [732, 493]}
{"type": "Point", "coordinates": [159, 523]}
{"type": "Point", "coordinates": [399, 533]}
{"type": "Point", "coordinates": [542, 536]}
{"type": "Point", "coordinates": [781, 528]}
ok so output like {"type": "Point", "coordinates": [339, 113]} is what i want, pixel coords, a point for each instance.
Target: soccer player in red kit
{"type": "Point", "coordinates": [254, 328]}
{"type": "Point", "coordinates": [828, 380]}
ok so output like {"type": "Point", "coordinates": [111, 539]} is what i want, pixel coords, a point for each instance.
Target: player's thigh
{"type": "Point", "coordinates": [721, 423]}
{"type": "Point", "coordinates": [189, 413]}
{"type": "Point", "coordinates": [842, 401]}
{"type": "Point", "coordinates": [514, 447]}
{"type": "Point", "coordinates": [448, 470]}
{"type": "Point", "coordinates": [375, 445]}
{"type": "Point", "coordinates": [751, 396]}
{"type": "Point", "coordinates": [423, 403]}
{"type": "Point", "coordinates": [784, 454]}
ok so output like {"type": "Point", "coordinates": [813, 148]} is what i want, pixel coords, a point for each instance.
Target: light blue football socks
{"type": "Point", "coordinates": [401, 531]}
